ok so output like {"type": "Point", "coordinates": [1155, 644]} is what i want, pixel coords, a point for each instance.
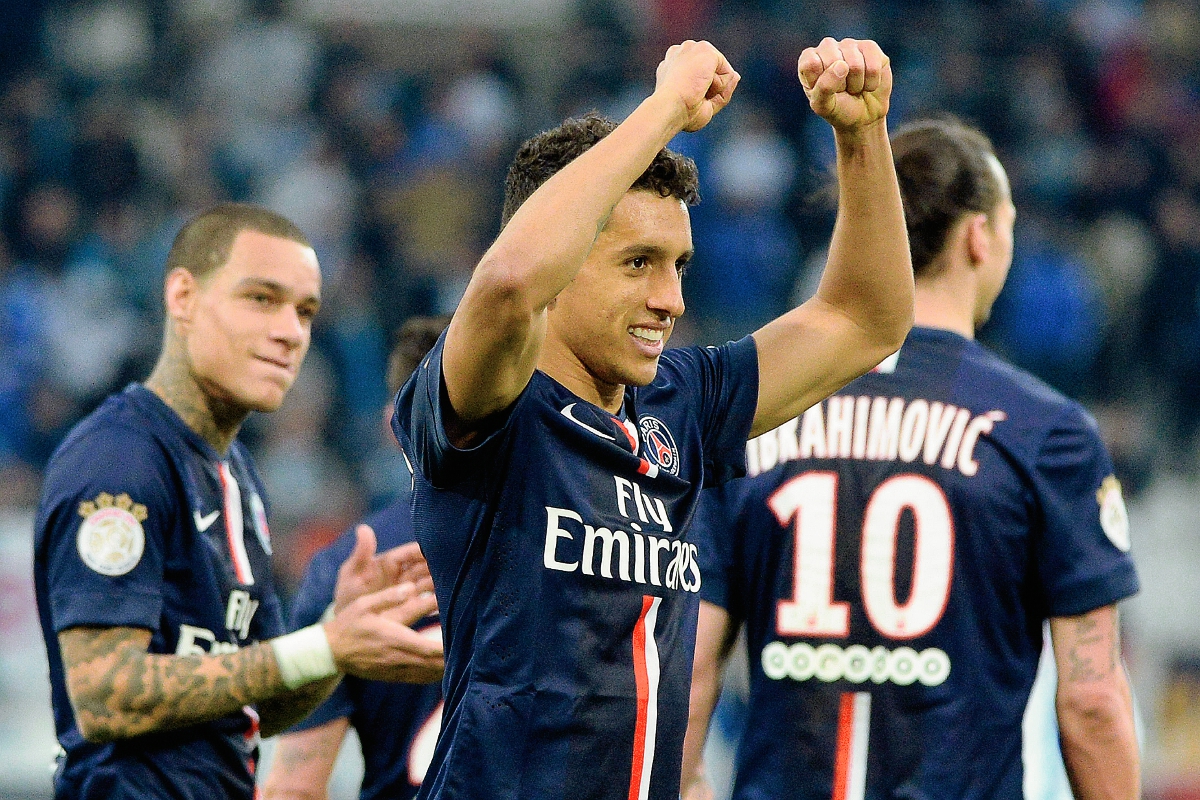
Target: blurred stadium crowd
{"type": "Point", "coordinates": [387, 144]}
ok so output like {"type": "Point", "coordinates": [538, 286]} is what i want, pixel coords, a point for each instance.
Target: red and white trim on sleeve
{"type": "Point", "coordinates": [646, 674]}
{"type": "Point", "coordinates": [234, 527]}
{"type": "Point", "coordinates": [854, 729]}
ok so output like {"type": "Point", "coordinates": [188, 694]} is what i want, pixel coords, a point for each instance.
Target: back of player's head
{"type": "Point", "coordinates": [945, 169]}
{"type": "Point", "coordinates": [204, 243]}
{"type": "Point", "coordinates": [543, 155]}
{"type": "Point", "coordinates": [411, 342]}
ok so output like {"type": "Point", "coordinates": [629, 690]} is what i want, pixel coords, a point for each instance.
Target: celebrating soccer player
{"type": "Point", "coordinates": [902, 542]}
{"type": "Point", "coordinates": [152, 553]}
{"type": "Point", "coordinates": [560, 448]}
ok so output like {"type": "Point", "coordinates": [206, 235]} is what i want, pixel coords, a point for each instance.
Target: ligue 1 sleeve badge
{"type": "Point", "coordinates": [111, 539]}
{"type": "Point", "coordinates": [1113, 517]}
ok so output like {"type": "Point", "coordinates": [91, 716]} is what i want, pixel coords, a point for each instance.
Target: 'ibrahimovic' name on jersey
{"type": "Point", "coordinates": [566, 580]}
{"type": "Point", "coordinates": [877, 429]}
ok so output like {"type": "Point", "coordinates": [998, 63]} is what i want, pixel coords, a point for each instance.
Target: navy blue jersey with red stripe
{"type": "Point", "coordinates": [565, 576]}
{"type": "Point", "coordinates": [142, 524]}
{"type": "Point", "coordinates": [397, 723]}
{"type": "Point", "coordinates": [893, 556]}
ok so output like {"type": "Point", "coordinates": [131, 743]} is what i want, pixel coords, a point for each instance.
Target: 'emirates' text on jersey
{"type": "Point", "coordinates": [565, 578]}
{"type": "Point", "coordinates": [143, 525]}
{"type": "Point", "coordinates": [894, 559]}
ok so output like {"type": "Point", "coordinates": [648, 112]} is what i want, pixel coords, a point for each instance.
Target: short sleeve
{"type": "Point", "coordinates": [711, 532]}
{"type": "Point", "coordinates": [106, 512]}
{"type": "Point", "coordinates": [724, 382]}
{"type": "Point", "coordinates": [309, 604]}
{"type": "Point", "coordinates": [1083, 551]}
{"type": "Point", "coordinates": [419, 426]}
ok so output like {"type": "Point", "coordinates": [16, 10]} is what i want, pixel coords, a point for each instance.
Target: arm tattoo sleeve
{"type": "Point", "coordinates": [119, 690]}
{"type": "Point", "coordinates": [1092, 648]}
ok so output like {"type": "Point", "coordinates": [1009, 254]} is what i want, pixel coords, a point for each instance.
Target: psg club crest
{"type": "Point", "coordinates": [659, 444]}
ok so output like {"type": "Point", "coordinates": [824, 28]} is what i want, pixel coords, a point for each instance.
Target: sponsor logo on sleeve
{"type": "Point", "coordinates": [1113, 518]}
{"type": "Point", "coordinates": [111, 539]}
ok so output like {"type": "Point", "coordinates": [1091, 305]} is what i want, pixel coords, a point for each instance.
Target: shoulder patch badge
{"type": "Point", "coordinates": [1113, 517]}
{"type": "Point", "coordinates": [111, 539]}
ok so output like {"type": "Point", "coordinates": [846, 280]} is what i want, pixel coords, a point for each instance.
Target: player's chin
{"type": "Point", "coordinates": [641, 373]}
{"type": "Point", "coordinates": [266, 397]}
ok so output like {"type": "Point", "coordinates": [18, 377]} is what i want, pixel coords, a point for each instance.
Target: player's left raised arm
{"type": "Point", "coordinates": [863, 307]}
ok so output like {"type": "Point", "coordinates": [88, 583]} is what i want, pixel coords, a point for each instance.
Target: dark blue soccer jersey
{"type": "Point", "coordinates": [397, 723]}
{"type": "Point", "coordinates": [893, 559]}
{"type": "Point", "coordinates": [142, 524]}
{"type": "Point", "coordinates": [565, 577]}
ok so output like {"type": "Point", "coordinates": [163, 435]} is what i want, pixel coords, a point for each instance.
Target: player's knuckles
{"type": "Point", "coordinates": [829, 51]}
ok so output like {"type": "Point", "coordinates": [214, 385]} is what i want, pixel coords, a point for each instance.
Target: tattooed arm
{"type": "Point", "coordinates": [1095, 707]}
{"type": "Point", "coordinates": [119, 690]}
{"type": "Point", "coordinates": [304, 761]}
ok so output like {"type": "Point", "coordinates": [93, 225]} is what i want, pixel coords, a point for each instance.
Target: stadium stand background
{"type": "Point", "coordinates": [383, 128]}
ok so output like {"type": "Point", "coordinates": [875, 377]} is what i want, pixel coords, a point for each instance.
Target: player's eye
{"type": "Point", "coordinates": [639, 262]}
{"type": "Point", "coordinates": [681, 267]}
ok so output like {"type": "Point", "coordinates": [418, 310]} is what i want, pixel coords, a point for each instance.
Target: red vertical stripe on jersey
{"type": "Point", "coordinates": [234, 525]}
{"type": "Point", "coordinates": [845, 737]}
{"type": "Point", "coordinates": [643, 700]}
{"type": "Point", "coordinates": [853, 734]}
{"type": "Point", "coordinates": [646, 676]}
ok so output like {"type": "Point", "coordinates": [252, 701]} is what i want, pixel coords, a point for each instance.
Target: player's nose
{"type": "Point", "coordinates": [666, 293]}
{"type": "Point", "coordinates": [289, 326]}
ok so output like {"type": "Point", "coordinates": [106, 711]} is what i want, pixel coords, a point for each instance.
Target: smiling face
{"type": "Point", "coordinates": [608, 328]}
{"type": "Point", "coordinates": [246, 326]}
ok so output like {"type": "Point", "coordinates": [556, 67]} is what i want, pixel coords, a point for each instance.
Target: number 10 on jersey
{"type": "Point", "coordinates": [808, 502]}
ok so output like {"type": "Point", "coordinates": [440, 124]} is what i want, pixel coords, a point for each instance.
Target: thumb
{"type": "Point", "coordinates": [364, 547]}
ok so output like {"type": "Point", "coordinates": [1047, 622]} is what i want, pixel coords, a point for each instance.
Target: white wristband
{"type": "Point", "coordinates": [304, 656]}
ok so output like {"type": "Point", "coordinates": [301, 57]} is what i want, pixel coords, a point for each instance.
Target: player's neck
{"type": "Point", "coordinates": [215, 420]}
{"type": "Point", "coordinates": [939, 305]}
{"type": "Point", "coordinates": [579, 380]}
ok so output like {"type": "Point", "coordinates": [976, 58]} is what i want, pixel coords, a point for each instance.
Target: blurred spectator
{"type": "Point", "coordinates": [1049, 318]}
{"type": "Point", "coordinates": [1172, 316]}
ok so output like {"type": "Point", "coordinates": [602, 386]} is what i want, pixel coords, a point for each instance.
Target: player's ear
{"type": "Point", "coordinates": [979, 243]}
{"type": "Point", "coordinates": [179, 294]}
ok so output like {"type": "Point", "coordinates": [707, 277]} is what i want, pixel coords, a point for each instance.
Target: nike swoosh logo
{"type": "Point", "coordinates": [205, 522]}
{"type": "Point", "coordinates": [566, 412]}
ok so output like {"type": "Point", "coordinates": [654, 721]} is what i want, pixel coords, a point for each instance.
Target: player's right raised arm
{"type": "Point", "coordinates": [495, 338]}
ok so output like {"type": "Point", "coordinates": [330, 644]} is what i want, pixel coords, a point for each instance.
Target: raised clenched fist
{"type": "Point", "coordinates": [848, 83]}
{"type": "Point", "coordinates": [697, 76]}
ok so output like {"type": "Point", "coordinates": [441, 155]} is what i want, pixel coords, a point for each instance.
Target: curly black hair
{"type": "Point", "coordinates": [540, 157]}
